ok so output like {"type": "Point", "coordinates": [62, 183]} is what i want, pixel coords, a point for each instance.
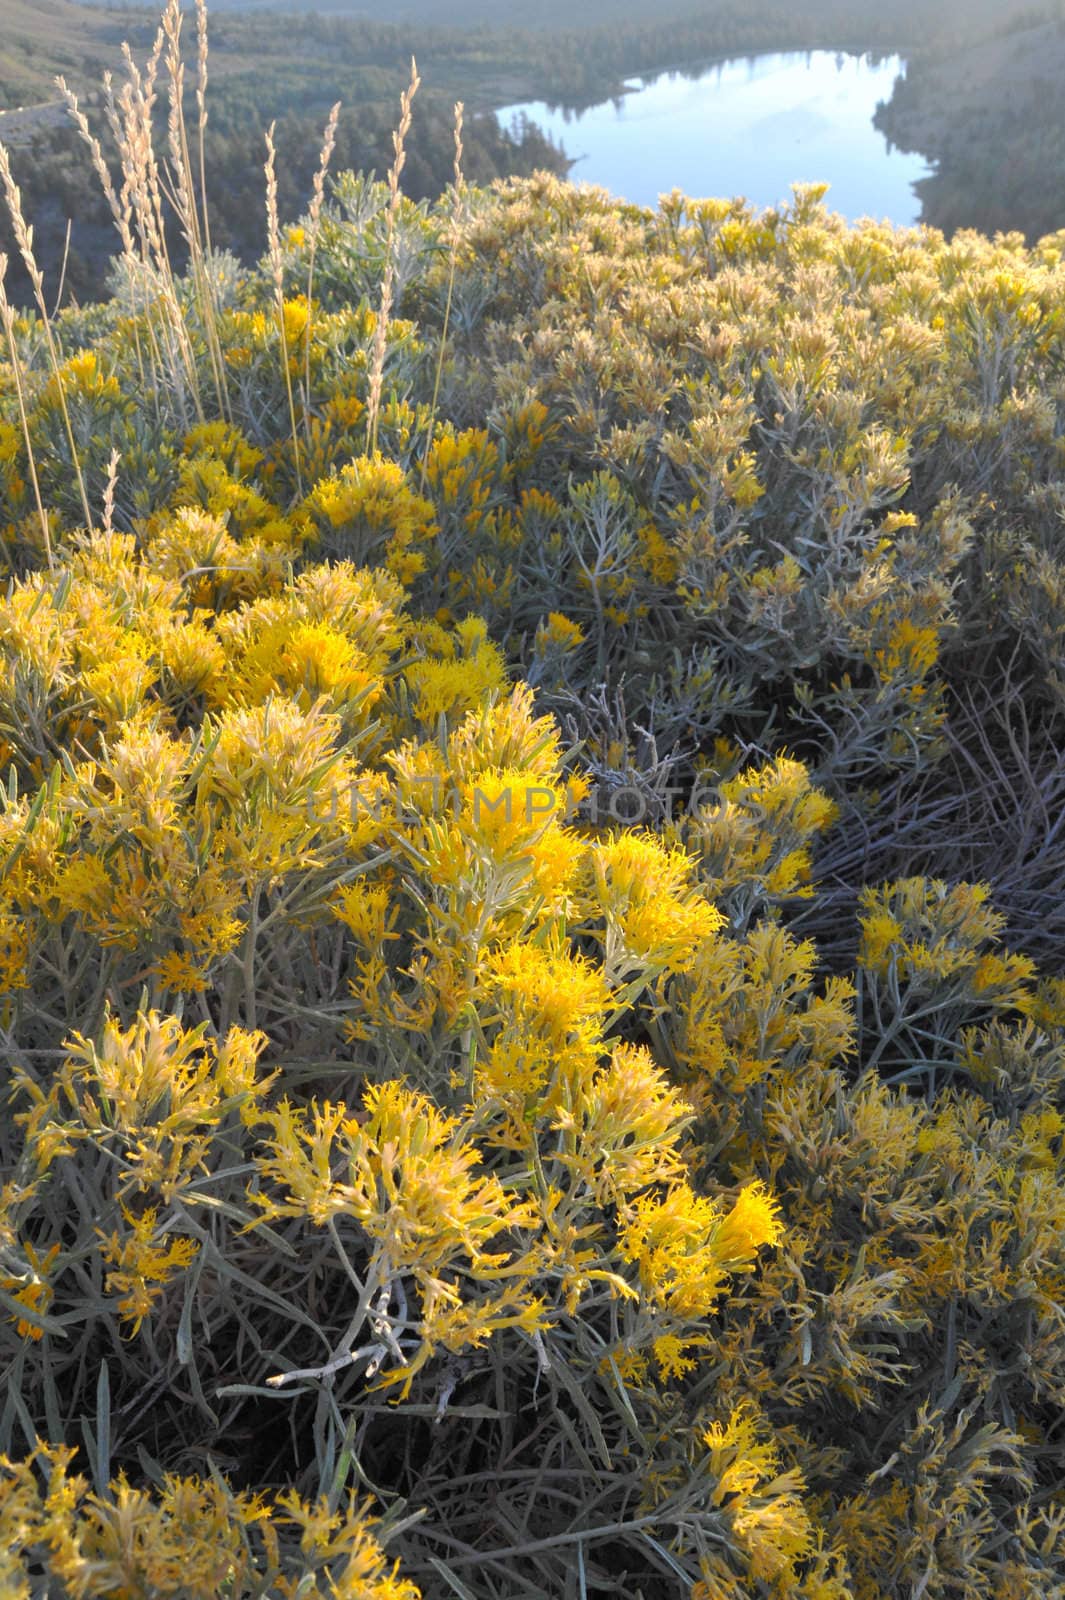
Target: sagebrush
{"type": "Point", "coordinates": [532, 997]}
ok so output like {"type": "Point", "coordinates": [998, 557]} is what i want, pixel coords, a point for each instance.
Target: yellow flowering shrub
{"type": "Point", "coordinates": [369, 513]}
{"type": "Point", "coordinates": [530, 930]}
{"type": "Point", "coordinates": [192, 1538]}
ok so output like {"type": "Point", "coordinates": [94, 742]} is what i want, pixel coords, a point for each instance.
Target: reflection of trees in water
{"type": "Point", "coordinates": [996, 138]}
{"type": "Point", "coordinates": [1007, 174]}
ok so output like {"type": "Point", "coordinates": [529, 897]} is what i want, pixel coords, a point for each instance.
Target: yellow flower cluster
{"type": "Point", "coordinates": [193, 1537]}
{"type": "Point", "coordinates": [368, 513]}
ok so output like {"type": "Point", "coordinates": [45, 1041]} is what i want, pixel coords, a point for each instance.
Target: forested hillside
{"type": "Point", "coordinates": [265, 67]}
{"type": "Point", "coordinates": [991, 116]}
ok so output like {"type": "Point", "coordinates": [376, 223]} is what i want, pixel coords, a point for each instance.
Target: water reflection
{"type": "Point", "coordinates": [752, 127]}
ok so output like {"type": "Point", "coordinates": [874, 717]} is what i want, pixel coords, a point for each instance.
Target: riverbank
{"type": "Point", "coordinates": [991, 119]}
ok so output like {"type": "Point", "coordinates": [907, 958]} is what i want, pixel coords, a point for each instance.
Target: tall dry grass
{"type": "Point", "coordinates": [314, 227]}
{"type": "Point", "coordinates": [187, 208]}
{"type": "Point", "coordinates": [384, 316]}
{"type": "Point", "coordinates": [277, 272]}
{"type": "Point", "coordinates": [176, 319]}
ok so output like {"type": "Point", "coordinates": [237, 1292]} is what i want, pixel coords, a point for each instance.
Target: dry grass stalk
{"type": "Point", "coordinates": [156, 278]}
{"type": "Point", "coordinates": [179, 188]}
{"type": "Point", "coordinates": [377, 367]}
{"type": "Point", "coordinates": [136, 103]}
{"type": "Point", "coordinates": [273, 246]}
{"type": "Point", "coordinates": [121, 206]}
{"type": "Point", "coordinates": [121, 212]}
{"type": "Point", "coordinates": [127, 120]}
{"type": "Point", "coordinates": [62, 271]}
{"type": "Point", "coordinates": [182, 194]}
{"type": "Point", "coordinates": [7, 317]}
{"type": "Point", "coordinates": [109, 491]}
{"type": "Point", "coordinates": [201, 108]}
{"type": "Point", "coordinates": [456, 220]}
{"type": "Point", "coordinates": [24, 240]}
{"type": "Point", "coordinates": [314, 225]}
{"type": "Point", "coordinates": [141, 201]}
{"type": "Point", "coordinates": [141, 98]}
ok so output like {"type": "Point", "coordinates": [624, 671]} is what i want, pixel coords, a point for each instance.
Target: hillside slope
{"type": "Point", "coordinates": [39, 38]}
{"type": "Point", "coordinates": [991, 117]}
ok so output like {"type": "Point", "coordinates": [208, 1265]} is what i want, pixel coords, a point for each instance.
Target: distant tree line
{"type": "Point", "coordinates": [267, 66]}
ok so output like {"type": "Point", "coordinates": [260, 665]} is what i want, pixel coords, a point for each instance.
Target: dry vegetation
{"type": "Point", "coordinates": [39, 39]}
{"type": "Point", "coordinates": [532, 1019]}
